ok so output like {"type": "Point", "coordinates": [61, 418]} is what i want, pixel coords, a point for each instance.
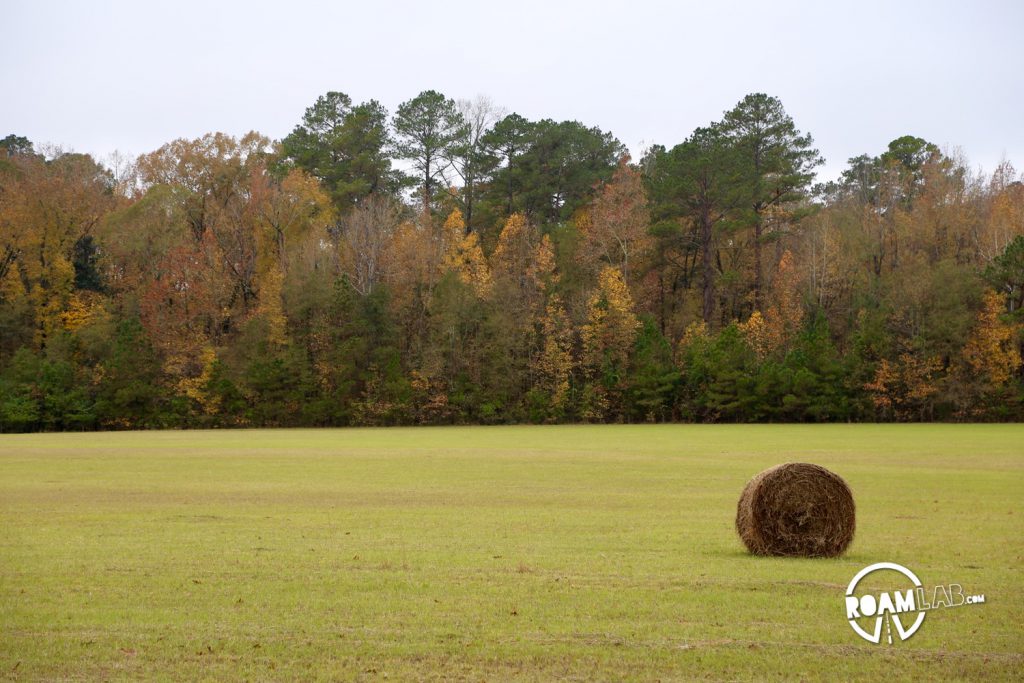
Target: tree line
{"type": "Point", "coordinates": [453, 263]}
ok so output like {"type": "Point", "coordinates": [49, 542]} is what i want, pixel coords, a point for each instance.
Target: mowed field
{"type": "Point", "coordinates": [491, 553]}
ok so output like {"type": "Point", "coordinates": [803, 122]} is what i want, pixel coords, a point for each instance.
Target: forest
{"type": "Point", "coordinates": [452, 263]}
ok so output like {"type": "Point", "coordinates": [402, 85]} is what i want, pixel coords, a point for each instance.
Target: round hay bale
{"type": "Point", "coordinates": [796, 510]}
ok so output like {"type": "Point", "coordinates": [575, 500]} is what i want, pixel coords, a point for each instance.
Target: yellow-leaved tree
{"type": "Point", "coordinates": [522, 268]}
{"type": "Point", "coordinates": [774, 329]}
{"type": "Point", "coordinates": [463, 255]}
{"type": "Point", "coordinates": [46, 209]}
{"type": "Point", "coordinates": [283, 215]}
{"type": "Point", "coordinates": [990, 350]}
{"type": "Point", "coordinates": [514, 252]}
{"type": "Point", "coordinates": [554, 363]}
{"type": "Point", "coordinates": [608, 339]}
{"type": "Point", "coordinates": [991, 358]}
{"type": "Point", "coordinates": [542, 270]}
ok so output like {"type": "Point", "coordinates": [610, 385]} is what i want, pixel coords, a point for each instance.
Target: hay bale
{"type": "Point", "coordinates": [798, 510]}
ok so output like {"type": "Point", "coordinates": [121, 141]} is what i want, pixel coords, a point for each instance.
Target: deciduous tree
{"type": "Point", "coordinates": [619, 220]}
{"type": "Point", "coordinates": [608, 338]}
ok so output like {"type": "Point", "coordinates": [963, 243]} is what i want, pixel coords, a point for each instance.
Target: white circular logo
{"type": "Point", "coordinates": [890, 607]}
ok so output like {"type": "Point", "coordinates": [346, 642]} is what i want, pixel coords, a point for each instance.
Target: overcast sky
{"type": "Point", "coordinates": [99, 76]}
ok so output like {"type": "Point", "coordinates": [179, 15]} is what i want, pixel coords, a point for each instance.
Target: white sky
{"type": "Point", "coordinates": [99, 76]}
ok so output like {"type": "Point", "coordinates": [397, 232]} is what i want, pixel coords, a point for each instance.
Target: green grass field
{"type": "Point", "coordinates": [489, 553]}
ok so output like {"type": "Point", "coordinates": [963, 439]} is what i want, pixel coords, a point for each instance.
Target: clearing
{"type": "Point", "coordinates": [576, 552]}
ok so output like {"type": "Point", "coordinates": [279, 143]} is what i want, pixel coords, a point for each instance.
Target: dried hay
{"type": "Point", "coordinates": [796, 510]}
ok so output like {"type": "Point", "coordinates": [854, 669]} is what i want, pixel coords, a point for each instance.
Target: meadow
{"type": "Point", "coordinates": [491, 553]}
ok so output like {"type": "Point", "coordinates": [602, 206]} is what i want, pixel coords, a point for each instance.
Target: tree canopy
{"type": "Point", "coordinates": [525, 270]}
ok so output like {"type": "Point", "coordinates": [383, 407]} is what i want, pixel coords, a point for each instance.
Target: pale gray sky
{"type": "Point", "coordinates": [99, 76]}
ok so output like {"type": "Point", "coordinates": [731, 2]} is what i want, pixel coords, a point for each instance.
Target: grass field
{"type": "Point", "coordinates": [487, 553]}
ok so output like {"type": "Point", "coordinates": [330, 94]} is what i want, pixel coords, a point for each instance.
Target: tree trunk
{"type": "Point", "coordinates": [758, 271]}
{"type": "Point", "coordinates": [708, 310]}
{"type": "Point", "coordinates": [426, 184]}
